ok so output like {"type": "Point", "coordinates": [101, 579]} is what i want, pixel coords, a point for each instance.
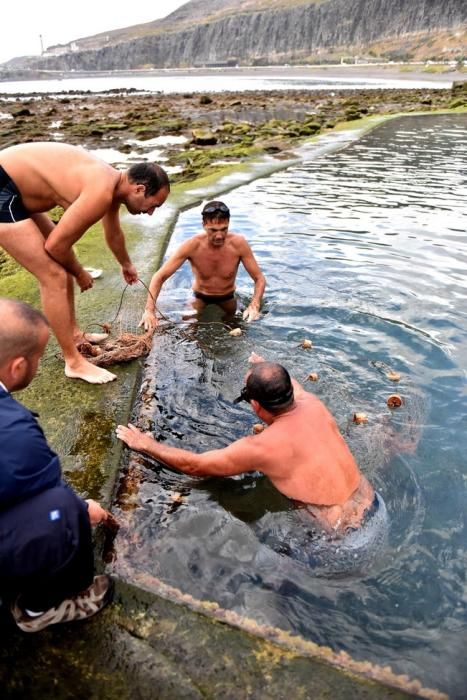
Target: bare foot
{"type": "Point", "coordinates": [81, 337]}
{"type": "Point", "coordinates": [89, 373]}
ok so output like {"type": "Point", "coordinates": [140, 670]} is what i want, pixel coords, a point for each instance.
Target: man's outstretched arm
{"type": "Point", "coordinates": [85, 211]}
{"type": "Point", "coordinates": [241, 456]}
{"type": "Point", "coordinates": [252, 312]}
{"type": "Point", "coordinates": [149, 318]}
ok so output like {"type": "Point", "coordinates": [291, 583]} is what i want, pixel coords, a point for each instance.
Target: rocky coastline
{"type": "Point", "coordinates": [203, 132]}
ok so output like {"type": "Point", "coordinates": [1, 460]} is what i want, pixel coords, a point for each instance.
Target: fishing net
{"type": "Point", "coordinates": [125, 342]}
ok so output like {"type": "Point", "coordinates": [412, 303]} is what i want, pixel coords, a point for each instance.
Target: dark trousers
{"type": "Point", "coordinates": [46, 551]}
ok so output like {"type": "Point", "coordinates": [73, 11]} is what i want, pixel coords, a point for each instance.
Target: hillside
{"type": "Point", "coordinates": [252, 32]}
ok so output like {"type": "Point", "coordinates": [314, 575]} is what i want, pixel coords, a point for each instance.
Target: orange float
{"type": "Point", "coordinates": [394, 401]}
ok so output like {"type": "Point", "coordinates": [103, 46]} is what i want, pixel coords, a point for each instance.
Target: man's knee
{"type": "Point", "coordinates": [53, 277]}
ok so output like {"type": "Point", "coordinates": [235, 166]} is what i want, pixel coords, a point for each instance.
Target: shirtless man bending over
{"type": "Point", "coordinates": [301, 451]}
{"type": "Point", "coordinates": [34, 178]}
{"type": "Point", "coordinates": [214, 256]}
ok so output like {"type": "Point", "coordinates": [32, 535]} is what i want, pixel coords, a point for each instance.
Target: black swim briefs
{"type": "Point", "coordinates": [213, 298]}
{"type": "Point", "coordinates": [12, 208]}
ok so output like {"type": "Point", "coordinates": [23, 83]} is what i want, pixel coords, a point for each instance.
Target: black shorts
{"type": "Point", "coordinates": [46, 550]}
{"type": "Point", "coordinates": [214, 298]}
{"type": "Point", "coordinates": [12, 208]}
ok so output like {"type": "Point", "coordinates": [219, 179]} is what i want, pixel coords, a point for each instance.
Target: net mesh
{"type": "Point", "coordinates": [123, 344]}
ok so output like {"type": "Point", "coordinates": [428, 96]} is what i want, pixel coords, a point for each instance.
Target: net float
{"type": "Point", "coordinates": [258, 428]}
{"type": "Point", "coordinates": [393, 376]}
{"type": "Point", "coordinates": [313, 377]}
{"type": "Point", "coordinates": [235, 332]}
{"type": "Point", "coordinates": [394, 401]}
{"type": "Point", "coordinates": [306, 343]}
{"type": "Point", "coordinates": [359, 418]}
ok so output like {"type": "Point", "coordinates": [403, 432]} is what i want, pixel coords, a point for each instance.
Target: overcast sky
{"type": "Point", "coordinates": [60, 22]}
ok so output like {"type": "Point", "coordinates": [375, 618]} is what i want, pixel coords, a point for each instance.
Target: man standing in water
{"type": "Point", "coordinates": [34, 178]}
{"type": "Point", "coordinates": [301, 451]}
{"type": "Point", "coordinates": [214, 256]}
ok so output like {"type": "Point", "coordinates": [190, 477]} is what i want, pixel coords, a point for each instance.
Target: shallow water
{"type": "Point", "coordinates": [219, 81]}
{"type": "Point", "coordinates": [364, 252]}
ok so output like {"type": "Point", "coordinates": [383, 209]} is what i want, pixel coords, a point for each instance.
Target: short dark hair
{"type": "Point", "coordinates": [215, 211]}
{"type": "Point", "coordinates": [19, 329]}
{"type": "Point", "coordinates": [151, 175]}
{"type": "Point", "coordinates": [271, 386]}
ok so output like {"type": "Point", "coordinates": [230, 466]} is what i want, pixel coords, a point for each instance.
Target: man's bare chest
{"type": "Point", "coordinates": [214, 265]}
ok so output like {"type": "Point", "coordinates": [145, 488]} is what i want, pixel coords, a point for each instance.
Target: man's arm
{"type": "Point", "coordinates": [241, 456]}
{"type": "Point", "coordinates": [115, 240]}
{"type": "Point", "coordinates": [85, 211]}
{"type": "Point", "coordinates": [149, 319]}
{"type": "Point", "coordinates": [252, 312]}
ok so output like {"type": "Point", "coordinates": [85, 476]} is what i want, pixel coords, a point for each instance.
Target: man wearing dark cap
{"type": "Point", "coordinates": [301, 451]}
{"type": "Point", "coordinates": [214, 256]}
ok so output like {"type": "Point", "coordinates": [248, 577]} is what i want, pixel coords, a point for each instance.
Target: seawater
{"type": "Point", "coordinates": [216, 81]}
{"type": "Point", "coordinates": [365, 253]}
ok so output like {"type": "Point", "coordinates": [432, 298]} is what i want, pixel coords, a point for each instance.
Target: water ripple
{"type": "Point", "coordinates": [365, 253]}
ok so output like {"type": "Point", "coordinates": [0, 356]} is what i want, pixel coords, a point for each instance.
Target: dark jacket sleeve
{"type": "Point", "coordinates": [27, 464]}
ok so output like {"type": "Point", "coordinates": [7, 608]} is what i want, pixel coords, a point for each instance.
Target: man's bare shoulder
{"type": "Point", "coordinates": [269, 450]}
{"type": "Point", "coordinates": [193, 244]}
{"type": "Point", "coordinates": [60, 162]}
{"type": "Point", "coordinates": [238, 243]}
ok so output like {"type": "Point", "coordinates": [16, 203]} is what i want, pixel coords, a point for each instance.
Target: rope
{"type": "Point", "coordinates": [168, 320]}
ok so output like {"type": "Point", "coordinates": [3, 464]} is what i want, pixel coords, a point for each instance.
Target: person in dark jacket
{"type": "Point", "coordinates": [46, 550]}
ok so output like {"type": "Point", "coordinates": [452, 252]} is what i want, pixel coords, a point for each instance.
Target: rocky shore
{"type": "Point", "coordinates": [202, 133]}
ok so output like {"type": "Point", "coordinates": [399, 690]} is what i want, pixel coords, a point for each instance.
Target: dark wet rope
{"type": "Point", "coordinates": [103, 326]}
{"type": "Point", "coordinates": [166, 318]}
{"type": "Point", "coordinates": [202, 345]}
{"type": "Point", "coordinates": [107, 326]}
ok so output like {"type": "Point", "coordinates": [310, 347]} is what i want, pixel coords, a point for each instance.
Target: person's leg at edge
{"type": "Point", "coordinates": [54, 290]}
{"type": "Point", "coordinates": [46, 226]}
{"type": "Point", "coordinates": [57, 584]}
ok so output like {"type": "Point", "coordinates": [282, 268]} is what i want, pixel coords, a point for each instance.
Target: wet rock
{"type": "Point", "coordinates": [205, 100]}
{"type": "Point", "coordinates": [203, 137]}
{"type": "Point", "coordinates": [23, 112]}
{"type": "Point", "coordinates": [271, 145]}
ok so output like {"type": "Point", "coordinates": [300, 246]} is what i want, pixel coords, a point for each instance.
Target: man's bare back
{"type": "Point", "coordinates": [34, 178]}
{"type": "Point", "coordinates": [301, 451]}
{"type": "Point", "coordinates": [308, 460]}
{"type": "Point", "coordinates": [50, 175]}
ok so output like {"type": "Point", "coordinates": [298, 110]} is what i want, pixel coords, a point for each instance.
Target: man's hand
{"type": "Point", "coordinates": [255, 358]}
{"type": "Point", "coordinates": [84, 280]}
{"type": "Point", "coordinates": [97, 514]}
{"type": "Point", "coordinates": [132, 437]}
{"type": "Point", "coordinates": [129, 273]}
{"type": "Point", "coordinates": [148, 320]}
{"type": "Point", "coordinates": [251, 313]}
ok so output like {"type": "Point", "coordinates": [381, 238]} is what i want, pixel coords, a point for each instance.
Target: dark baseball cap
{"type": "Point", "coordinates": [270, 394]}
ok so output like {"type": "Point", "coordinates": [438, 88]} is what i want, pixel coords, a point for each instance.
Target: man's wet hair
{"type": "Point", "coordinates": [215, 211]}
{"type": "Point", "coordinates": [20, 325]}
{"type": "Point", "coordinates": [271, 386]}
{"type": "Point", "coordinates": [151, 175]}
